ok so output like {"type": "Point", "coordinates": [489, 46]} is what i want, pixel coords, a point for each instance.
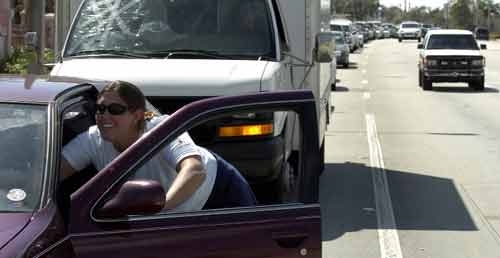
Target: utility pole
{"type": "Point", "coordinates": [5, 28]}
{"type": "Point", "coordinates": [35, 11]}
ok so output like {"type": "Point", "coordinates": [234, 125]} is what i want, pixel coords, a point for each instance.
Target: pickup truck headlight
{"type": "Point", "coordinates": [430, 62]}
{"type": "Point", "coordinates": [478, 62]}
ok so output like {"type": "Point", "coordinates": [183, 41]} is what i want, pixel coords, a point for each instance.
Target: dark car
{"type": "Point", "coordinates": [482, 33]}
{"type": "Point", "coordinates": [42, 216]}
{"type": "Point", "coordinates": [425, 29]}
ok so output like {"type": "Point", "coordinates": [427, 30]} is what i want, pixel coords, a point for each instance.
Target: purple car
{"type": "Point", "coordinates": [42, 216]}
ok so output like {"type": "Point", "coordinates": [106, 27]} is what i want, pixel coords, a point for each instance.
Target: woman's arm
{"type": "Point", "coordinates": [66, 169]}
{"type": "Point", "coordinates": [191, 174]}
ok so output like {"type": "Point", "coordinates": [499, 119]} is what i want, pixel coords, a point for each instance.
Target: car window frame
{"type": "Point", "coordinates": [89, 196]}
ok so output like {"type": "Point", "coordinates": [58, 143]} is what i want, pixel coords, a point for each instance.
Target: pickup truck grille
{"type": "Point", "coordinates": [453, 63]}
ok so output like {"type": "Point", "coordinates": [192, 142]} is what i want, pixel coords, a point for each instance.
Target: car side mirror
{"type": "Point", "coordinates": [483, 46]}
{"type": "Point", "coordinates": [135, 197]}
{"type": "Point", "coordinates": [325, 47]}
{"type": "Point", "coordinates": [420, 46]}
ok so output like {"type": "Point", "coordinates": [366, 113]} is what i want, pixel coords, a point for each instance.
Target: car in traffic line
{"type": "Point", "coordinates": [409, 30]}
{"type": "Point", "coordinates": [341, 49]}
{"type": "Point", "coordinates": [451, 56]}
{"type": "Point", "coordinates": [345, 26]}
{"type": "Point", "coordinates": [482, 33]}
{"type": "Point", "coordinates": [42, 216]}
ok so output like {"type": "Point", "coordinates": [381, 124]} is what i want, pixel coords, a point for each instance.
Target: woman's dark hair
{"type": "Point", "coordinates": [130, 93]}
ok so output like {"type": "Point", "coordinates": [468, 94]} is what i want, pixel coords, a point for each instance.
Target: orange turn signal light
{"type": "Point", "coordinates": [246, 130]}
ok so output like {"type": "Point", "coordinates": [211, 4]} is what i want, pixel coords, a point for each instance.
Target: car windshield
{"type": "Point", "coordinates": [482, 32]}
{"type": "Point", "coordinates": [339, 39]}
{"type": "Point", "coordinates": [158, 28]}
{"type": "Point", "coordinates": [23, 134]}
{"type": "Point", "coordinates": [452, 42]}
{"type": "Point", "coordinates": [410, 25]}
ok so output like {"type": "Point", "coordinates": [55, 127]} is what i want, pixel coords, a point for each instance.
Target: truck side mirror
{"type": "Point", "coordinates": [31, 39]}
{"type": "Point", "coordinates": [324, 47]}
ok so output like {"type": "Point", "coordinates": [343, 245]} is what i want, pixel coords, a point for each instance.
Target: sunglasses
{"type": "Point", "coordinates": [114, 109]}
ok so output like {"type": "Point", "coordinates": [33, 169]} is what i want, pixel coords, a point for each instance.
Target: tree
{"type": "Point", "coordinates": [461, 15]}
{"type": "Point", "coordinates": [487, 8]}
{"type": "Point", "coordinates": [393, 14]}
{"type": "Point", "coordinates": [357, 9]}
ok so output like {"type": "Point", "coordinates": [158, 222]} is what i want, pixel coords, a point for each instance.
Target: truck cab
{"type": "Point", "coordinates": [181, 51]}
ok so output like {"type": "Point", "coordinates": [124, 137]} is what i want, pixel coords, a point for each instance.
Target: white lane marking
{"type": "Point", "coordinates": [366, 95]}
{"type": "Point", "coordinates": [387, 232]}
{"type": "Point", "coordinates": [363, 71]}
{"type": "Point", "coordinates": [364, 81]}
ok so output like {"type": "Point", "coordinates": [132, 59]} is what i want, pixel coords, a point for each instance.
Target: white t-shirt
{"type": "Point", "coordinates": [90, 148]}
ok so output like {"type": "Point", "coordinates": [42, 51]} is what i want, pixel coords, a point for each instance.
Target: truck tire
{"type": "Point", "coordinates": [477, 84]}
{"type": "Point", "coordinates": [399, 39]}
{"type": "Point", "coordinates": [419, 78]}
{"type": "Point", "coordinates": [322, 157]}
{"type": "Point", "coordinates": [426, 83]}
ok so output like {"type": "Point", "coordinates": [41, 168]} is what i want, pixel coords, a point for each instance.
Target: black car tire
{"type": "Point", "coordinates": [426, 83]}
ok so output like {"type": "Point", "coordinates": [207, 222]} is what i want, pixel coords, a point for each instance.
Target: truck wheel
{"type": "Point", "coordinates": [400, 40]}
{"type": "Point", "coordinates": [478, 84]}
{"type": "Point", "coordinates": [322, 157]}
{"type": "Point", "coordinates": [419, 78]}
{"type": "Point", "coordinates": [426, 83]}
{"type": "Point", "coordinates": [285, 186]}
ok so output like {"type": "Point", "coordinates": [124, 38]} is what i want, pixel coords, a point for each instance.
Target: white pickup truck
{"type": "Point", "coordinates": [451, 56]}
{"type": "Point", "coordinates": [179, 51]}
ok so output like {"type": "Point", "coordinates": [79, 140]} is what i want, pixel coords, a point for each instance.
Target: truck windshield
{"type": "Point", "coordinates": [466, 42]}
{"type": "Point", "coordinates": [23, 134]}
{"type": "Point", "coordinates": [156, 28]}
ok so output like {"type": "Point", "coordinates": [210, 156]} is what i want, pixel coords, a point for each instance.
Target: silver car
{"type": "Point", "coordinates": [341, 49]}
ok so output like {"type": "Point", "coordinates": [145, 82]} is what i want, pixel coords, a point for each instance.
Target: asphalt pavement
{"type": "Point", "coordinates": [411, 173]}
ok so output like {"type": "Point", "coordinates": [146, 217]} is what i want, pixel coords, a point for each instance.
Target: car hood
{"type": "Point", "coordinates": [11, 224]}
{"type": "Point", "coordinates": [172, 77]}
{"type": "Point", "coordinates": [452, 52]}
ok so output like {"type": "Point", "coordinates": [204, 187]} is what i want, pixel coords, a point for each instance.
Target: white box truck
{"type": "Point", "coordinates": [178, 51]}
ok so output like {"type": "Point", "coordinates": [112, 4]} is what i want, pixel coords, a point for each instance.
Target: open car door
{"type": "Point", "coordinates": [291, 229]}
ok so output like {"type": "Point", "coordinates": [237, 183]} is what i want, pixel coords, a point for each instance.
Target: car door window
{"type": "Point", "coordinates": [161, 167]}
